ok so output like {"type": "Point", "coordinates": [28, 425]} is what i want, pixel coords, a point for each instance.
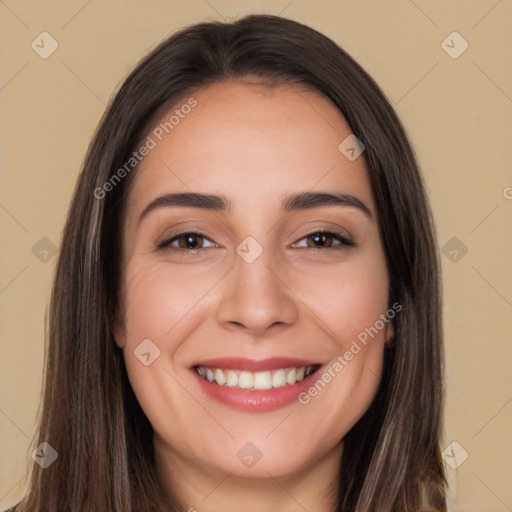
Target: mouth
{"type": "Point", "coordinates": [253, 385]}
{"type": "Point", "coordinates": [267, 379]}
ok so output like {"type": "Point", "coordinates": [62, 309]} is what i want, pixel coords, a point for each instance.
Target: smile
{"type": "Point", "coordinates": [269, 379]}
{"type": "Point", "coordinates": [255, 385]}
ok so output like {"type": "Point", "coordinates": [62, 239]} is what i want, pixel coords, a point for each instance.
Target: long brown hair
{"type": "Point", "coordinates": [89, 413]}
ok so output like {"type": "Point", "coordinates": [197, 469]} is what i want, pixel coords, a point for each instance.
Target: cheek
{"type": "Point", "coordinates": [160, 303]}
{"type": "Point", "coordinates": [164, 302]}
{"type": "Point", "coordinates": [348, 298]}
{"type": "Point", "coordinates": [159, 296]}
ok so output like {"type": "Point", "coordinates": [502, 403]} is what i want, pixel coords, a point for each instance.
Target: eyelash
{"type": "Point", "coordinates": [166, 244]}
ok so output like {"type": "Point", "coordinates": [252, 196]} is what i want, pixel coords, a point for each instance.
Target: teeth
{"type": "Point", "coordinates": [220, 378]}
{"type": "Point", "coordinates": [279, 379]}
{"type": "Point", "coordinates": [255, 380]}
{"type": "Point", "coordinates": [232, 379]}
{"type": "Point", "coordinates": [245, 380]}
{"type": "Point", "coordinates": [262, 380]}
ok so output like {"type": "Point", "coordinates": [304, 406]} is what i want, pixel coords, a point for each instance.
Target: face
{"type": "Point", "coordinates": [273, 297]}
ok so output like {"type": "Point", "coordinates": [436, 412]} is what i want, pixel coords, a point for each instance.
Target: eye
{"type": "Point", "coordinates": [187, 241]}
{"type": "Point", "coordinates": [326, 238]}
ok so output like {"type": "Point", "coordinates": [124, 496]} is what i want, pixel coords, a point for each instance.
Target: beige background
{"type": "Point", "coordinates": [458, 113]}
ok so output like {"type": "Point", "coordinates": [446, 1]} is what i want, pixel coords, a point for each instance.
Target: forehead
{"type": "Point", "coordinates": [251, 142]}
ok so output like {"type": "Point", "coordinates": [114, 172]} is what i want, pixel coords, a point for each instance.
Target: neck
{"type": "Point", "coordinates": [202, 489]}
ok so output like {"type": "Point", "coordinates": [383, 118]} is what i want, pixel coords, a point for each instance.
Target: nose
{"type": "Point", "coordinates": [256, 298]}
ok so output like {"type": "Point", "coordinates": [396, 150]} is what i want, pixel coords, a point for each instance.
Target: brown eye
{"type": "Point", "coordinates": [190, 241]}
{"type": "Point", "coordinates": [320, 238]}
{"type": "Point", "coordinates": [326, 240]}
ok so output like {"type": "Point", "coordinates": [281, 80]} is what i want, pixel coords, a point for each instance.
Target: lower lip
{"type": "Point", "coordinates": [259, 400]}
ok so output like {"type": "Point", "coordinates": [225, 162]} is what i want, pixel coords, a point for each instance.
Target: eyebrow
{"type": "Point", "coordinates": [299, 201]}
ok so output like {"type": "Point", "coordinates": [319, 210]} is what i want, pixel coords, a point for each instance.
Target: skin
{"type": "Point", "coordinates": [254, 144]}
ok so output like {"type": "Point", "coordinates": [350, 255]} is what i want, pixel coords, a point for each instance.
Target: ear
{"type": "Point", "coordinates": [389, 334]}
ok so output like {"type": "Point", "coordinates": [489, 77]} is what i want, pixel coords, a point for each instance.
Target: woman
{"type": "Point", "coordinates": [206, 352]}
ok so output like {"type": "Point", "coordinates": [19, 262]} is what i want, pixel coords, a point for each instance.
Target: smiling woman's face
{"type": "Point", "coordinates": [265, 296]}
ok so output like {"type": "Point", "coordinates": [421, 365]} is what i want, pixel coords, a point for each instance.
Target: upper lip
{"type": "Point", "coordinates": [254, 365]}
